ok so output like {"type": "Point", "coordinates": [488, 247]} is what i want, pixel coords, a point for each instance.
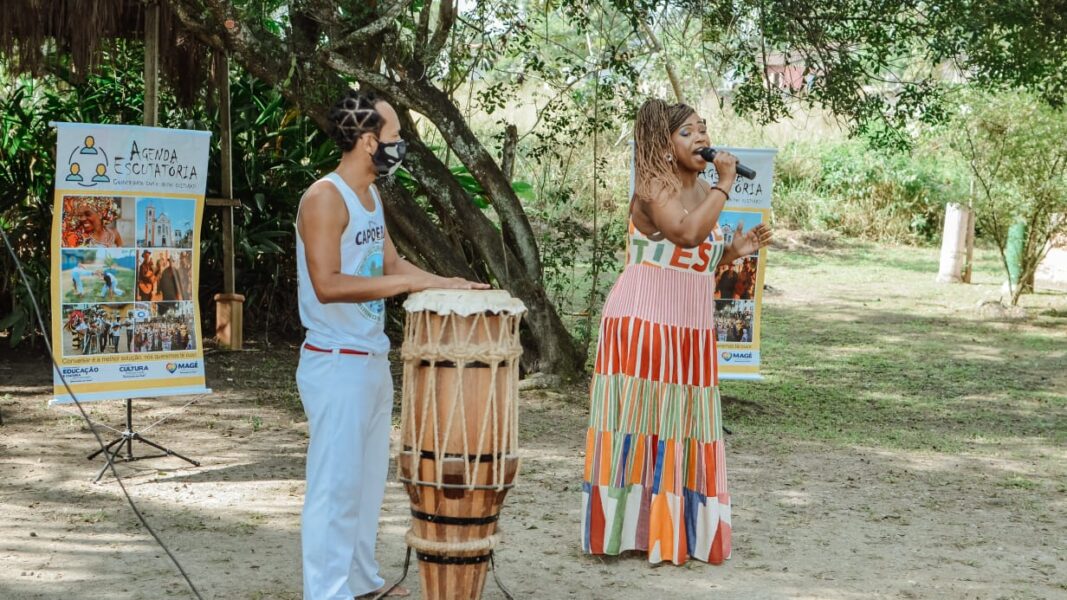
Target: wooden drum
{"type": "Point", "coordinates": [459, 435]}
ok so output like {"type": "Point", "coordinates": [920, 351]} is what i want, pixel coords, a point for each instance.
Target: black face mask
{"type": "Point", "coordinates": [388, 156]}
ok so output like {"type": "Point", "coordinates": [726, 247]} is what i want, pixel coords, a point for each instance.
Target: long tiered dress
{"type": "Point", "coordinates": [655, 476]}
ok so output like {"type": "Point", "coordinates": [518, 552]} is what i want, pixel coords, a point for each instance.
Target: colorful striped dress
{"type": "Point", "coordinates": [655, 476]}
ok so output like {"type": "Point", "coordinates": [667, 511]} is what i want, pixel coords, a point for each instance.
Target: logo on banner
{"type": "Point", "coordinates": [80, 373]}
{"type": "Point", "coordinates": [88, 164]}
{"type": "Point", "coordinates": [133, 370]}
{"type": "Point", "coordinates": [183, 367]}
{"type": "Point", "coordinates": [728, 356]}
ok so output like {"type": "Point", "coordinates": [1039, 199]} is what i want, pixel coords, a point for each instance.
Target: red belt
{"type": "Point", "coordinates": [340, 350]}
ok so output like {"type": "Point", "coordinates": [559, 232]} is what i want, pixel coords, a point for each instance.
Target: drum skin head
{"type": "Point", "coordinates": [464, 302]}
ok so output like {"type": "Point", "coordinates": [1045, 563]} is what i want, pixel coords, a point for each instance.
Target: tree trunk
{"type": "Point", "coordinates": [418, 93]}
{"type": "Point", "coordinates": [407, 222]}
{"type": "Point", "coordinates": [555, 350]}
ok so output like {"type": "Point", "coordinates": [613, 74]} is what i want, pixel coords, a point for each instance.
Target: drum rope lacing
{"type": "Point", "coordinates": [505, 349]}
{"type": "Point", "coordinates": [436, 547]}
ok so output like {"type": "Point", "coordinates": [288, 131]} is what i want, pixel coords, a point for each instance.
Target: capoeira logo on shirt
{"type": "Point", "coordinates": [371, 267]}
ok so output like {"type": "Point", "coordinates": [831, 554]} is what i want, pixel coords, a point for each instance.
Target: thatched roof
{"type": "Point", "coordinates": [32, 34]}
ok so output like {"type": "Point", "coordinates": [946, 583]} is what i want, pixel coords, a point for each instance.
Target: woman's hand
{"type": "Point", "coordinates": [726, 166]}
{"type": "Point", "coordinates": [751, 241]}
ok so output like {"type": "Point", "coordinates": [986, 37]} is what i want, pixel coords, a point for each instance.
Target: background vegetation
{"type": "Point", "coordinates": [525, 112]}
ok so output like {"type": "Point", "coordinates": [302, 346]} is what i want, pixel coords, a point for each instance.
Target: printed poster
{"type": "Point", "coordinates": [125, 261]}
{"type": "Point", "coordinates": [739, 286]}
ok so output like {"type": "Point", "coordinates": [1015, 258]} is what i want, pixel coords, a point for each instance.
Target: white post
{"type": "Point", "coordinates": [954, 255]}
{"type": "Point", "coordinates": [1052, 271]}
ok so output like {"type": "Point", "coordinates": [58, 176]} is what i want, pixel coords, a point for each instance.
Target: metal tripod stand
{"type": "Point", "coordinates": [126, 440]}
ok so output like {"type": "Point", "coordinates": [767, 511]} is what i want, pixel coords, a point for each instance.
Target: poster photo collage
{"type": "Point", "coordinates": [127, 275]}
{"type": "Point", "coordinates": [735, 288]}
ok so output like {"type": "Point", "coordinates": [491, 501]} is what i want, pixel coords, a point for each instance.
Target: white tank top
{"type": "Point", "coordinates": [352, 325]}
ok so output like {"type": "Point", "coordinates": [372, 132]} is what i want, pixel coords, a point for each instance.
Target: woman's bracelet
{"type": "Point", "coordinates": [724, 192]}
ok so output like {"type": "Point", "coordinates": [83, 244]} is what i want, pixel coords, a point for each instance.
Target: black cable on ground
{"type": "Point", "coordinates": [99, 440]}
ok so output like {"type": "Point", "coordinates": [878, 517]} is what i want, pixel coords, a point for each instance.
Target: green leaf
{"type": "Point", "coordinates": [10, 319]}
{"type": "Point", "coordinates": [269, 111]}
{"type": "Point", "coordinates": [18, 330]}
{"type": "Point", "coordinates": [524, 191]}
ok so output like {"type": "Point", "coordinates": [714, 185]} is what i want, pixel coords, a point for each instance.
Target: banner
{"type": "Point", "coordinates": [739, 286]}
{"type": "Point", "coordinates": [125, 261]}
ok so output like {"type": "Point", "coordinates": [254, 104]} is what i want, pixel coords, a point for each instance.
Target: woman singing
{"type": "Point", "coordinates": [655, 476]}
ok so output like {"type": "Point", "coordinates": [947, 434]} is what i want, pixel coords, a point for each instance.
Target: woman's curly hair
{"type": "Point", "coordinates": [653, 154]}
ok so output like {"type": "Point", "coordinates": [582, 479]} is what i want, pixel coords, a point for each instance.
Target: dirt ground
{"type": "Point", "coordinates": [896, 450]}
{"type": "Point", "coordinates": [810, 521]}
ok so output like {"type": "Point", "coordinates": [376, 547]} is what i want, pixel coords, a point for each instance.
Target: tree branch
{"type": "Point", "coordinates": [368, 31]}
{"type": "Point", "coordinates": [425, 98]}
{"type": "Point", "coordinates": [658, 48]}
{"type": "Point", "coordinates": [407, 221]}
{"type": "Point", "coordinates": [446, 18]}
{"type": "Point", "coordinates": [507, 160]}
{"type": "Point", "coordinates": [422, 32]}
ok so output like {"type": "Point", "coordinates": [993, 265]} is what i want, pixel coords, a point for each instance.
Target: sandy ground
{"type": "Point", "coordinates": [810, 521]}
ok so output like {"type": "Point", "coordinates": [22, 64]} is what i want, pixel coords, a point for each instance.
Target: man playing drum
{"type": "Point", "coordinates": [346, 267]}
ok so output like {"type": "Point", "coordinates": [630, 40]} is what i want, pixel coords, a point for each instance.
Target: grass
{"type": "Point", "coordinates": [861, 346]}
{"type": "Point", "coordinates": [864, 347]}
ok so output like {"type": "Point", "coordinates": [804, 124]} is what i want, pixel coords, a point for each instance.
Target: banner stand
{"type": "Point", "coordinates": [129, 205]}
{"type": "Point", "coordinates": [739, 285]}
{"type": "Point", "coordinates": [126, 440]}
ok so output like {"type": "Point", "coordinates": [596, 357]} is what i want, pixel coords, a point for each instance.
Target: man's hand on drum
{"type": "Point", "coordinates": [428, 281]}
{"type": "Point", "coordinates": [459, 283]}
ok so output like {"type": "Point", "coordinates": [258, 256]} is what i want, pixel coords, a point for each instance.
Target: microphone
{"type": "Point", "coordinates": [708, 154]}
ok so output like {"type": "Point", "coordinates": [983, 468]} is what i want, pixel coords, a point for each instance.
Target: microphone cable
{"type": "Point", "coordinates": [96, 434]}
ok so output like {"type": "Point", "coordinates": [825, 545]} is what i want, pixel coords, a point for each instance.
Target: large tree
{"type": "Point", "coordinates": [879, 63]}
{"type": "Point", "coordinates": [396, 49]}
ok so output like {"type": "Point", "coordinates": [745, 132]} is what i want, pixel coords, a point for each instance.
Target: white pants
{"type": "Point", "coordinates": [348, 400]}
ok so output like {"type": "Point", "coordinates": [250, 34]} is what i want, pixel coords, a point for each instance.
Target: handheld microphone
{"type": "Point", "coordinates": [708, 154]}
